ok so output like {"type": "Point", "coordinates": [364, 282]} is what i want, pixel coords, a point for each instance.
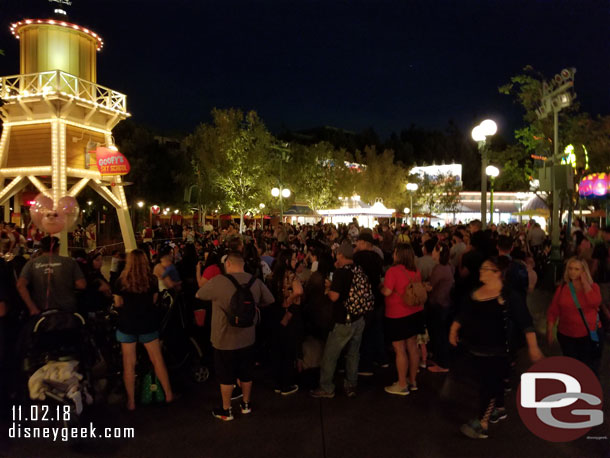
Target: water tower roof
{"type": "Point", "coordinates": [16, 26]}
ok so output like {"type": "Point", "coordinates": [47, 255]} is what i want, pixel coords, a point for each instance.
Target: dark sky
{"type": "Point", "coordinates": [349, 64]}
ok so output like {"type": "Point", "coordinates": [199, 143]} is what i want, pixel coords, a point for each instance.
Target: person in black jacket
{"type": "Point", "coordinates": [483, 326]}
{"type": "Point", "coordinates": [372, 350]}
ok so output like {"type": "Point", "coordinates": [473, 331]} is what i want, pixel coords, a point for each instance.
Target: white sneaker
{"type": "Point", "coordinates": [395, 388]}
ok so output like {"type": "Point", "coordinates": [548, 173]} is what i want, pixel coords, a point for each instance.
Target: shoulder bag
{"type": "Point", "coordinates": [593, 335]}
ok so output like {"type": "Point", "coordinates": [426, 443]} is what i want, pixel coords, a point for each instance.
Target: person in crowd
{"type": "Point", "coordinates": [210, 269]}
{"type": "Point", "coordinates": [135, 295]}
{"type": "Point", "coordinates": [233, 346]}
{"type": "Point", "coordinates": [287, 323]}
{"type": "Point", "coordinates": [48, 281]}
{"type": "Point", "coordinates": [98, 294]}
{"type": "Point", "coordinates": [91, 237]}
{"type": "Point", "coordinates": [457, 249]}
{"type": "Point", "coordinates": [439, 308]}
{"type": "Point", "coordinates": [166, 271]}
{"type": "Point", "coordinates": [347, 332]}
{"type": "Point", "coordinates": [426, 263]}
{"type": "Point", "coordinates": [372, 349]}
{"type": "Point", "coordinates": [482, 325]}
{"type": "Point", "coordinates": [403, 322]}
{"type": "Point", "coordinates": [387, 243]}
{"type": "Point", "coordinates": [535, 239]}
{"type": "Point", "coordinates": [576, 306]}
{"type": "Point", "coordinates": [117, 264]}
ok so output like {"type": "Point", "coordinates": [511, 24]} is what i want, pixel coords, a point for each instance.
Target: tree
{"type": "Point", "coordinates": [382, 177]}
{"type": "Point", "coordinates": [234, 151]}
{"type": "Point", "coordinates": [153, 177]}
{"type": "Point", "coordinates": [315, 173]}
{"type": "Point", "coordinates": [436, 194]}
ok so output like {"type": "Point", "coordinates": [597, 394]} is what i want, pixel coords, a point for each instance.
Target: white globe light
{"type": "Point", "coordinates": [412, 186]}
{"type": "Point", "coordinates": [261, 206]}
{"type": "Point", "coordinates": [286, 193]}
{"type": "Point", "coordinates": [140, 204]}
{"type": "Point", "coordinates": [477, 134]}
{"type": "Point", "coordinates": [489, 127]}
{"type": "Point", "coordinates": [406, 210]}
{"type": "Point", "coordinates": [275, 192]}
{"type": "Point", "coordinates": [492, 171]}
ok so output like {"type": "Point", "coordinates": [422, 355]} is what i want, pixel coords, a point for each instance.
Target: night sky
{"type": "Point", "coordinates": [348, 64]}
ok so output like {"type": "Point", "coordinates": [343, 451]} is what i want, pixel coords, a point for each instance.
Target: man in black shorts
{"type": "Point", "coordinates": [233, 346]}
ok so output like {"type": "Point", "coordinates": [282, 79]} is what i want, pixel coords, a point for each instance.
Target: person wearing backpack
{"type": "Point", "coordinates": [405, 296]}
{"type": "Point", "coordinates": [235, 298]}
{"type": "Point", "coordinates": [352, 297]}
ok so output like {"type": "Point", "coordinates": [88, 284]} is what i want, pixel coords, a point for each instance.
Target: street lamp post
{"type": "Point", "coordinates": [479, 134]}
{"type": "Point", "coordinates": [282, 193]}
{"type": "Point", "coordinates": [492, 172]}
{"type": "Point", "coordinates": [556, 95]}
{"type": "Point", "coordinates": [262, 208]}
{"type": "Point", "coordinates": [412, 187]}
{"type": "Point", "coordinates": [406, 211]}
{"type": "Point", "coordinates": [521, 196]}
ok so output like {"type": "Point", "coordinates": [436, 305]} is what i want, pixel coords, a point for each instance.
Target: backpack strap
{"type": "Point", "coordinates": [233, 280]}
{"type": "Point", "coordinates": [240, 285]}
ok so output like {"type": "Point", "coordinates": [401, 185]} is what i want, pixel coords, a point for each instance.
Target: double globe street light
{"type": "Point", "coordinates": [282, 193]}
{"type": "Point", "coordinates": [479, 134]}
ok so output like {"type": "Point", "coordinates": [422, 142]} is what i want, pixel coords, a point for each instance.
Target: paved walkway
{"type": "Point", "coordinates": [374, 424]}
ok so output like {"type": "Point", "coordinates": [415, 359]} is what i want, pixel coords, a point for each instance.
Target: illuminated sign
{"type": "Point", "coordinates": [111, 162]}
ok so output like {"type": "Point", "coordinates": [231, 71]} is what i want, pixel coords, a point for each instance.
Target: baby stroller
{"type": "Point", "coordinates": [57, 355]}
{"type": "Point", "coordinates": [181, 351]}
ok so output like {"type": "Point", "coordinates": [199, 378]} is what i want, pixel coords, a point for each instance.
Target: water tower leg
{"type": "Point", "coordinates": [124, 218]}
{"type": "Point", "coordinates": [59, 174]}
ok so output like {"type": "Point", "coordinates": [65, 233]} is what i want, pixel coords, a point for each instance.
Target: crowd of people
{"type": "Point", "coordinates": [341, 298]}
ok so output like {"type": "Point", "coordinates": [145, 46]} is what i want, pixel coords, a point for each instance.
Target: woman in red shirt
{"type": "Point", "coordinates": [402, 322]}
{"type": "Point", "coordinates": [572, 334]}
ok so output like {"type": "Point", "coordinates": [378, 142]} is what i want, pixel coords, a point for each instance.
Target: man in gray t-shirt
{"type": "Point", "coordinates": [233, 358]}
{"type": "Point", "coordinates": [48, 281]}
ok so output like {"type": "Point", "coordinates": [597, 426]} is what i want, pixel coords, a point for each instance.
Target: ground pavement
{"type": "Point", "coordinates": [374, 424]}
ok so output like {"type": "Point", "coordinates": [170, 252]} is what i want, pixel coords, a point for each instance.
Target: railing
{"type": "Point", "coordinates": [58, 82]}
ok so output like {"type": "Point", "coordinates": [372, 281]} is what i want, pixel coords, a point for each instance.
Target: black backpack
{"type": "Point", "coordinates": [242, 308]}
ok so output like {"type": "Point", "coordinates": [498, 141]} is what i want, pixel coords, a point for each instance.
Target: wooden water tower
{"type": "Point", "coordinates": [55, 115]}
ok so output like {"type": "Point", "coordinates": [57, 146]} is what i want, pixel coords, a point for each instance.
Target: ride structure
{"type": "Point", "coordinates": [55, 117]}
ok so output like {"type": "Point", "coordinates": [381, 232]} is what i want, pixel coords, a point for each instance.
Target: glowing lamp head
{"type": "Point", "coordinates": [412, 186]}
{"type": "Point", "coordinates": [275, 192]}
{"type": "Point", "coordinates": [140, 204]}
{"type": "Point", "coordinates": [488, 127]}
{"type": "Point", "coordinates": [477, 134]}
{"type": "Point", "coordinates": [285, 193]}
{"type": "Point", "coordinates": [261, 206]}
{"type": "Point", "coordinates": [492, 171]}
{"type": "Point", "coordinates": [406, 210]}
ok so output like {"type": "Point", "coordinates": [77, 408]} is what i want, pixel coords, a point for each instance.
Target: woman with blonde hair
{"type": "Point", "coordinates": [576, 306]}
{"type": "Point", "coordinates": [135, 294]}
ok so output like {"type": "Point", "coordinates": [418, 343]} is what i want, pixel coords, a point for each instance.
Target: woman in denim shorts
{"type": "Point", "coordinates": [135, 294]}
